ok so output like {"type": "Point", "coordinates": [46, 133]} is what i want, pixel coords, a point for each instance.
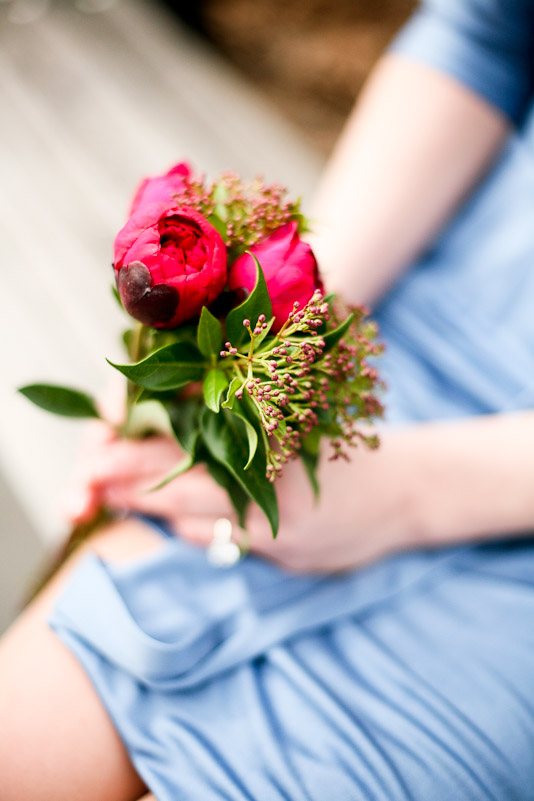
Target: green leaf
{"type": "Point", "coordinates": [182, 467]}
{"type": "Point", "coordinates": [162, 338]}
{"type": "Point", "coordinates": [148, 417]}
{"type": "Point", "coordinates": [170, 367]}
{"type": "Point", "coordinates": [115, 293]}
{"type": "Point", "coordinates": [213, 387]}
{"type": "Point", "coordinates": [237, 495]}
{"type": "Point", "coordinates": [332, 337]}
{"type": "Point", "coordinates": [309, 454]}
{"type": "Point", "coordinates": [252, 434]}
{"type": "Point", "coordinates": [221, 211]}
{"type": "Point", "coordinates": [220, 193]}
{"type": "Point", "coordinates": [61, 400]}
{"type": "Point", "coordinates": [209, 335]}
{"type": "Point", "coordinates": [310, 465]}
{"type": "Point", "coordinates": [312, 442]}
{"type": "Point", "coordinates": [225, 437]}
{"type": "Point", "coordinates": [235, 383]}
{"type": "Point", "coordinates": [323, 328]}
{"type": "Point", "coordinates": [184, 417]}
{"type": "Point", "coordinates": [303, 223]}
{"type": "Point", "coordinates": [258, 302]}
{"type": "Point", "coordinates": [218, 224]}
{"type": "Point", "coordinates": [127, 339]}
{"type": "Point", "coordinates": [265, 333]}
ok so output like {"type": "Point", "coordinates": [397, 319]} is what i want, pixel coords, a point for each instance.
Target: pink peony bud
{"type": "Point", "coordinates": [161, 188]}
{"type": "Point", "coordinates": [169, 262]}
{"type": "Point", "coordinates": [289, 267]}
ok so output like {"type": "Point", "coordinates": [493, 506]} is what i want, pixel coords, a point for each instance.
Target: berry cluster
{"type": "Point", "coordinates": [298, 380]}
{"type": "Point", "coordinates": [243, 212]}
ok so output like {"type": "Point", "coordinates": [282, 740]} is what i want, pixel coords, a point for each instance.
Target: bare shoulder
{"type": "Point", "coordinates": [56, 739]}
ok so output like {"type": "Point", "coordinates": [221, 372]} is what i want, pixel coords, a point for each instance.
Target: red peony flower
{"type": "Point", "coordinates": [290, 270]}
{"type": "Point", "coordinates": [162, 188]}
{"type": "Point", "coordinates": [169, 262]}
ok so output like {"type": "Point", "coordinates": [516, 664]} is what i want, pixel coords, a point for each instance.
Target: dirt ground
{"type": "Point", "coordinates": [309, 56]}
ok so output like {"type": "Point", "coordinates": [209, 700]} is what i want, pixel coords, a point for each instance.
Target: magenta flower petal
{"type": "Point", "coordinates": [161, 188]}
{"type": "Point", "coordinates": [169, 263]}
{"type": "Point", "coordinates": [290, 270]}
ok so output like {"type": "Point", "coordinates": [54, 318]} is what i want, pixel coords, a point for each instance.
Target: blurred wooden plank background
{"type": "Point", "coordinates": [94, 94]}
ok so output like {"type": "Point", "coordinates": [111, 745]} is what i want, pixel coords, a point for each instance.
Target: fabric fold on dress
{"type": "Point", "coordinates": [262, 606]}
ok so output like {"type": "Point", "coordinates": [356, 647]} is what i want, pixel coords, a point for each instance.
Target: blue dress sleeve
{"type": "Point", "coordinates": [488, 45]}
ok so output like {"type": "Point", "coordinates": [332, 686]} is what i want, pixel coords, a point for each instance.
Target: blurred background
{"type": "Point", "coordinates": [95, 94]}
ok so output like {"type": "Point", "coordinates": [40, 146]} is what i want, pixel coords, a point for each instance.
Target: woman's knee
{"type": "Point", "coordinates": [56, 738]}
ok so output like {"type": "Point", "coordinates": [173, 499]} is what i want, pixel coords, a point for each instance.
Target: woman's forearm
{"type": "Point", "coordinates": [471, 478]}
{"type": "Point", "coordinates": [415, 145]}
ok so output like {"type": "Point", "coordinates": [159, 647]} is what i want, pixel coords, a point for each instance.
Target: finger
{"type": "Point", "coordinates": [189, 495]}
{"type": "Point", "coordinates": [123, 459]}
{"type": "Point", "coordinates": [107, 462]}
{"type": "Point", "coordinates": [112, 403]}
{"type": "Point", "coordinates": [80, 500]}
{"type": "Point", "coordinates": [197, 530]}
{"type": "Point", "coordinates": [80, 504]}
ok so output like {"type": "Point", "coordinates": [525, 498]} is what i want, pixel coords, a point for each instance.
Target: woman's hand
{"type": "Point", "coordinates": [361, 514]}
{"type": "Point", "coordinates": [428, 485]}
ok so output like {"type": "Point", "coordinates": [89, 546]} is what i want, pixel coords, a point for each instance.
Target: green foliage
{"type": "Point", "coordinates": [310, 458]}
{"type": "Point", "coordinates": [209, 335]}
{"type": "Point", "coordinates": [115, 293]}
{"type": "Point", "coordinates": [332, 338]}
{"type": "Point", "coordinates": [184, 418]}
{"type": "Point", "coordinates": [225, 437]}
{"type": "Point", "coordinates": [171, 367]}
{"type": "Point", "coordinates": [235, 383]}
{"type": "Point", "coordinates": [59, 400]}
{"type": "Point", "coordinates": [258, 339]}
{"type": "Point", "coordinates": [258, 302]}
{"type": "Point", "coordinates": [183, 466]}
{"type": "Point", "coordinates": [147, 416]}
{"type": "Point", "coordinates": [240, 409]}
{"type": "Point", "coordinates": [236, 494]}
{"type": "Point", "coordinates": [218, 224]}
{"type": "Point", "coordinates": [215, 382]}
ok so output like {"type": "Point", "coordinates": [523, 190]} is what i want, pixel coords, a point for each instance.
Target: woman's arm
{"type": "Point", "coordinates": [428, 485]}
{"type": "Point", "coordinates": [475, 478]}
{"type": "Point", "coordinates": [413, 148]}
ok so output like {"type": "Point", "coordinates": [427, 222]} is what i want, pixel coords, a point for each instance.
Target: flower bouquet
{"type": "Point", "coordinates": [236, 352]}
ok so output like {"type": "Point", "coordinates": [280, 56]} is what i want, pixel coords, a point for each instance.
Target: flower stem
{"type": "Point", "coordinates": [132, 390]}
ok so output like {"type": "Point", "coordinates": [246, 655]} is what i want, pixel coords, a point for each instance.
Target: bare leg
{"type": "Point", "coordinates": [57, 742]}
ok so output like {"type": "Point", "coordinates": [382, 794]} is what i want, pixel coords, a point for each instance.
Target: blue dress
{"type": "Point", "coordinates": [409, 680]}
